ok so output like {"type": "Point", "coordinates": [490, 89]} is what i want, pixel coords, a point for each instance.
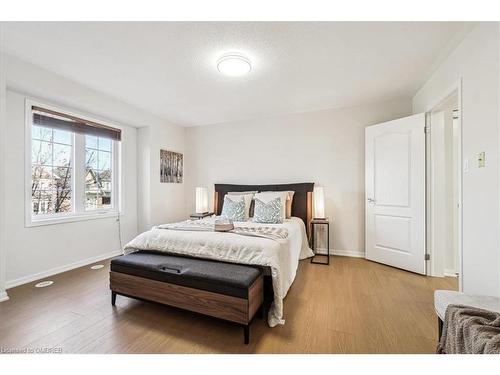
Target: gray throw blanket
{"type": "Point", "coordinates": [469, 330]}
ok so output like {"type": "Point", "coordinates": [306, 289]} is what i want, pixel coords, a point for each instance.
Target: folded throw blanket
{"type": "Point", "coordinates": [469, 330]}
{"type": "Point", "coordinates": [271, 233]}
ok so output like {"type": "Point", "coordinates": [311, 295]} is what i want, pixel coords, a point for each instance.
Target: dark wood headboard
{"type": "Point", "coordinates": [301, 205]}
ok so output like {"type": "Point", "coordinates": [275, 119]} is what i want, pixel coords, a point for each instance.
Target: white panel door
{"type": "Point", "coordinates": [395, 193]}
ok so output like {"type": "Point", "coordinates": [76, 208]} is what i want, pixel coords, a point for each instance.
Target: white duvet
{"type": "Point", "coordinates": [282, 256]}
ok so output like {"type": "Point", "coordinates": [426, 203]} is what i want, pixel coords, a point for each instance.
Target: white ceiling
{"type": "Point", "coordinates": [168, 68]}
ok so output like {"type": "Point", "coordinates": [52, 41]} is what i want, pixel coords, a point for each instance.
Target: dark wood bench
{"type": "Point", "coordinates": [232, 292]}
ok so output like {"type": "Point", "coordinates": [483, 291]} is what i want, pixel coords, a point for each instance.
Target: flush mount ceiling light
{"type": "Point", "coordinates": [234, 65]}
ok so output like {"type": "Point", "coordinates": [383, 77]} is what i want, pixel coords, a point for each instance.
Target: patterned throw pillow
{"type": "Point", "coordinates": [269, 212]}
{"type": "Point", "coordinates": [234, 209]}
{"type": "Point", "coordinates": [268, 196]}
{"type": "Point", "coordinates": [248, 196]}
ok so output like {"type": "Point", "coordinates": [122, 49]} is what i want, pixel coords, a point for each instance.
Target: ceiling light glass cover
{"type": "Point", "coordinates": [234, 65]}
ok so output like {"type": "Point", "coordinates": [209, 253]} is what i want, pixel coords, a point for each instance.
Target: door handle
{"type": "Point", "coordinates": [371, 201]}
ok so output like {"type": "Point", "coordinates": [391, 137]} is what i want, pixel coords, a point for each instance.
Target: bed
{"type": "Point", "coordinates": [278, 257]}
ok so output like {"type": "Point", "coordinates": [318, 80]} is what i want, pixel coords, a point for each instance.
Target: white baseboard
{"type": "Point", "coordinates": [53, 271]}
{"type": "Point", "coordinates": [3, 296]}
{"type": "Point", "coordinates": [342, 253]}
{"type": "Point", "coordinates": [450, 273]}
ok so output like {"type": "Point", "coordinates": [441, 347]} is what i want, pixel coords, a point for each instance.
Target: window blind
{"type": "Point", "coordinates": [57, 120]}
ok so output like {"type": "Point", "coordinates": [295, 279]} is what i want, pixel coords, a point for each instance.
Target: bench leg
{"type": "Point", "coordinates": [113, 298]}
{"type": "Point", "coordinates": [246, 333]}
{"type": "Point", "coordinates": [440, 328]}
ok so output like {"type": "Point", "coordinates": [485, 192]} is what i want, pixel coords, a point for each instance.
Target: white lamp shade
{"type": "Point", "coordinates": [319, 202]}
{"type": "Point", "coordinates": [201, 200]}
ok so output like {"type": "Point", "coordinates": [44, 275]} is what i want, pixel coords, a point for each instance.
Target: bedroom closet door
{"type": "Point", "coordinates": [395, 193]}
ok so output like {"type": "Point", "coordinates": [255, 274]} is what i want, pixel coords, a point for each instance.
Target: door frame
{"type": "Point", "coordinates": [3, 120]}
{"type": "Point", "coordinates": [456, 88]}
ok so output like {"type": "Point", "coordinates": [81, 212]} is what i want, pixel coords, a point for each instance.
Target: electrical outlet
{"type": "Point", "coordinates": [481, 161]}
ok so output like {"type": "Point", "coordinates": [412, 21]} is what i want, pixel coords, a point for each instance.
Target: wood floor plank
{"type": "Point", "coordinates": [351, 306]}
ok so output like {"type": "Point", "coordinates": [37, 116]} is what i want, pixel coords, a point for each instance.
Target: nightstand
{"type": "Point", "coordinates": [200, 216]}
{"type": "Point", "coordinates": [326, 223]}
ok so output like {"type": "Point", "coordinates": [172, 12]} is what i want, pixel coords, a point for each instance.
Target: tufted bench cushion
{"type": "Point", "coordinates": [223, 278]}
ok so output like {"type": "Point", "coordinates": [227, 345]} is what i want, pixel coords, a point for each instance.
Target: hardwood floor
{"type": "Point", "coordinates": [352, 306]}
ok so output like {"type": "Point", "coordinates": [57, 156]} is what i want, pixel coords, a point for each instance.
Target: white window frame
{"type": "Point", "coordinates": [78, 174]}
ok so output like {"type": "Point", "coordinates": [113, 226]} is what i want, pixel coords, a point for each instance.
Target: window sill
{"type": "Point", "coordinates": [71, 218]}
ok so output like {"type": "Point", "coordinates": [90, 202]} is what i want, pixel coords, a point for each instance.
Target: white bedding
{"type": "Point", "coordinates": [282, 256]}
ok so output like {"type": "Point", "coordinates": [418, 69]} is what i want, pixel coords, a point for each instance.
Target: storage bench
{"type": "Point", "coordinates": [227, 291]}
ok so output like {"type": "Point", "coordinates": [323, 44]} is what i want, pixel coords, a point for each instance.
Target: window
{"type": "Point", "coordinates": [72, 167]}
{"type": "Point", "coordinates": [51, 182]}
{"type": "Point", "coordinates": [98, 172]}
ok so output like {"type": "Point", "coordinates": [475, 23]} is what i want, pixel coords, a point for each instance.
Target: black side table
{"type": "Point", "coordinates": [200, 216]}
{"type": "Point", "coordinates": [325, 222]}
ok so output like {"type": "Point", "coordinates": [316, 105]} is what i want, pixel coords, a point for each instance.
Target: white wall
{"type": "Point", "coordinates": [451, 198]}
{"type": "Point", "coordinates": [158, 202]}
{"type": "Point", "coordinates": [143, 178]}
{"type": "Point", "coordinates": [34, 252]}
{"type": "Point", "coordinates": [438, 214]}
{"type": "Point", "coordinates": [476, 62]}
{"type": "Point", "coordinates": [442, 222]}
{"type": "Point", "coordinates": [325, 147]}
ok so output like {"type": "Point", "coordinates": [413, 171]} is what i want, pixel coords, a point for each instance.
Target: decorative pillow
{"type": "Point", "coordinates": [233, 208]}
{"type": "Point", "coordinates": [270, 213]}
{"type": "Point", "coordinates": [248, 196]}
{"type": "Point", "coordinates": [267, 196]}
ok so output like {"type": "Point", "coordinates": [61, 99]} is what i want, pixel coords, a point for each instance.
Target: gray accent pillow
{"type": "Point", "coordinates": [234, 209]}
{"type": "Point", "coordinates": [269, 213]}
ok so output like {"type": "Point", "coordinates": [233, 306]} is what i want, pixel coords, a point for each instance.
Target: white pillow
{"type": "Point", "coordinates": [247, 196]}
{"type": "Point", "coordinates": [267, 196]}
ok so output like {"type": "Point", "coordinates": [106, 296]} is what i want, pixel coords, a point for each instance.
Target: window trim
{"type": "Point", "coordinates": [78, 193]}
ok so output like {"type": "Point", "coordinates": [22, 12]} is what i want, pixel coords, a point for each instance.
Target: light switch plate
{"type": "Point", "coordinates": [481, 161]}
